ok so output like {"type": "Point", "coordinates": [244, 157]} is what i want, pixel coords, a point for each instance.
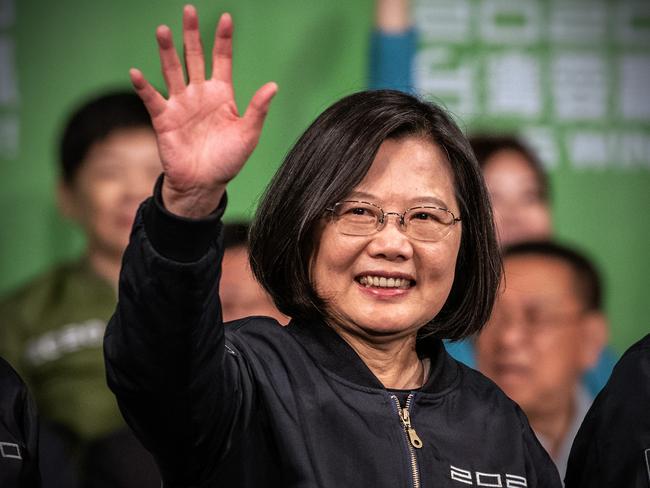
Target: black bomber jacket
{"type": "Point", "coordinates": [255, 404]}
{"type": "Point", "coordinates": [18, 432]}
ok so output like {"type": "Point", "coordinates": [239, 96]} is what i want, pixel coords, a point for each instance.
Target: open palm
{"type": "Point", "coordinates": [202, 139]}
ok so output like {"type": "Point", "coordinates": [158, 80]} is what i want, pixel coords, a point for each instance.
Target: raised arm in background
{"type": "Point", "coordinates": [393, 16]}
{"type": "Point", "coordinates": [392, 47]}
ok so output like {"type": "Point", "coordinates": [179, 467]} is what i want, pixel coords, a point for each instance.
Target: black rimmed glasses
{"type": "Point", "coordinates": [423, 223]}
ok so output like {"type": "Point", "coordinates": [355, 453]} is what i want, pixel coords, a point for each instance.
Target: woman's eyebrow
{"type": "Point", "coordinates": [428, 200]}
{"type": "Point", "coordinates": [362, 194]}
{"type": "Point", "coordinates": [414, 201]}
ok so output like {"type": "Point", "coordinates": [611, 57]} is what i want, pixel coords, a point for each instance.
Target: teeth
{"type": "Point", "coordinates": [383, 282]}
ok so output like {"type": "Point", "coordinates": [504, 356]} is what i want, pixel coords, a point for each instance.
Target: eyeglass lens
{"type": "Point", "coordinates": [363, 218]}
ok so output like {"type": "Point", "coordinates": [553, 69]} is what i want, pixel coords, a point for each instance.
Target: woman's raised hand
{"type": "Point", "coordinates": [202, 139]}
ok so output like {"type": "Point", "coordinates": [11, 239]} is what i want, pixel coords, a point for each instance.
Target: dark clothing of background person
{"type": "Point", "coordinates": [258, 404]}
{"type": "Point", "coordinates": [118, 460]}
{"type": "Point", "coordinates": [57, 458]}
{"type": "Point", "coordinates": [18, 432]}
{"type": "Point", "coordinates": [612, 447]}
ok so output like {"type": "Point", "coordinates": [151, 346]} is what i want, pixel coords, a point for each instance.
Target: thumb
{"type": "Point", "coordinates": [258, 108]}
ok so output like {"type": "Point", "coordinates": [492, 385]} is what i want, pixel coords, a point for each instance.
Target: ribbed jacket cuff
{"type": "Point", "coordinates": [178, 238]}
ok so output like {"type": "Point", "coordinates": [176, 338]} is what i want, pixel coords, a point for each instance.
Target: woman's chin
{"type": "Point", "coordinates": [373, 327]}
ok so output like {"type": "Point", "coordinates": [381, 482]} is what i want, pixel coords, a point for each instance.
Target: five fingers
{"type": "Point", "coordinates": [222, 68]}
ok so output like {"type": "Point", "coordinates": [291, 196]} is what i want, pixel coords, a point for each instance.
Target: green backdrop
{"type": "Point", "coordinates": [573, 76]}
{"type": "Point", "coordinates": [52, 54]}
{"type": "Point", "coordinates": [63, 51]}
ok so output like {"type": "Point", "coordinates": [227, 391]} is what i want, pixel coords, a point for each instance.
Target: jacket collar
{"type": "Point", "coordinates": [332, 353]}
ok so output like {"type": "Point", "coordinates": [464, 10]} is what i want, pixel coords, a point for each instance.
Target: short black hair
{"type": "Point", "coordinates": [235, 234]}
{"type": "Point", "coordinates": [487, 145]}
{"type": "Point", "coordinates": [328, 161]}
{"type": "Point", "coordinates": [589, 286]}
{"type": "Point", "coordinates": [93, 121]}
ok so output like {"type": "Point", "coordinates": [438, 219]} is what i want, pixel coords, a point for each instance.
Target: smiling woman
{"type": "Point", "coordinates": [414, 155]}
{"type": "Point", "coordinates": [364, 310]}
{"type": "Point", "coordinates": [357, 390]}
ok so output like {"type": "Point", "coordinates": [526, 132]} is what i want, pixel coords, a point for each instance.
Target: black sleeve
{"type": "Point", "coordinates": [118, 460]}
{"type": "Point", "coordinates": [612, 447]}
{"type": "Point", "coordinates": [165, 349]}
{"type": "Point", "coordinates": [18, 432]}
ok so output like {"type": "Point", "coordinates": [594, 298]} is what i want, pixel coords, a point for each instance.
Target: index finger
{"type": "Point", "coordinates": [170, 64]}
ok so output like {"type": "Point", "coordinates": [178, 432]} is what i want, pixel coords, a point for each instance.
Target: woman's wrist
{"type": "Point", "coordinates": [195, 203]}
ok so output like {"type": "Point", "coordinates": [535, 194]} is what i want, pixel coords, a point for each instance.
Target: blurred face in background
{"type": "Point", "coordinates": [520, 209]}
{"type": "Point", "coordinates": [241, 295]}
{"type": "Point", "coordinates": [540, 339]}
{"type": "Point", "coordinates": [117, 174]}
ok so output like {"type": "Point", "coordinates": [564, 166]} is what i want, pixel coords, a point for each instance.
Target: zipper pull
{"type": "Point", "coordinates": [410, 431]}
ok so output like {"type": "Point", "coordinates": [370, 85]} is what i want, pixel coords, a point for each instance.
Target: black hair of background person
{"type": "Point", "coordinates": [487, 145]}
{"type": "Point", "coordinates": [93, 121]}
{"type": "Point", "coordinates": [589, 284]}
{"type": "Point", "coordinates": [327, 162]}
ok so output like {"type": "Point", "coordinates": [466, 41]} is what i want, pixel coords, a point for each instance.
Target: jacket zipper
{"type": "Point", "coordinates": [413, 441]}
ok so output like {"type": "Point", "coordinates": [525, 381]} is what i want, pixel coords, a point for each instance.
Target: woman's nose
{"type": "Point", "coordinates": [399, 219]}
{"type": "Point", "coordinates": [390, 242]}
